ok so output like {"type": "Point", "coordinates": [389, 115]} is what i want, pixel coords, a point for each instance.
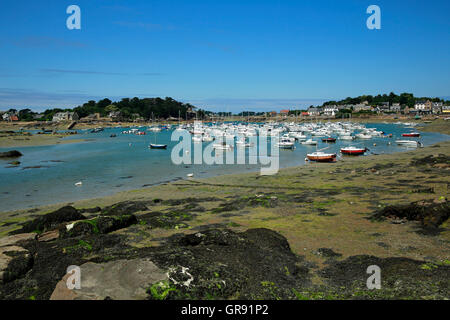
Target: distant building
{"type": "Point", "coordinates": [330, 110]}
{"type": "Point", "coordinates": [436, 107]}
{"type": "Point", "coordinates": [115, 115]}
{"type": "Point", "coordinates": [423, 106]}
{"type": "Point", "coordinates": [314, 111]}
{"type": "Point", "coordinates": [284, 112]}
{"type": "Point", "coordinates": [396, 107]}
{"type": "Point", "coordinates": [9, 116]}
{"type": "Point", "coordinates": [65, 116]}
{"type": "Point", "coordinates": [446, 109]}
{"type": "Point", "coordinates": [361, 107]}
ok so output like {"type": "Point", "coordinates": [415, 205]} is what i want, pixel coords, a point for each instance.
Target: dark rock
{"type": "Point", "coordinates": [90, 210]}
{"type": "Point", "coordinates": [99, 225]}
{"type": "Point", "coordinates": [14, 263]}
{"type": "Point", "coordinates": [167, 220]}
{"type": "Point", "coordinates": [401, 278]}
{"type": "Point", "coordinates": [222, 264]}
{"type": "Point", "coordinates": [10, 154]}
{"type": "Point", "coordinates": [126, 207]}
{"type": "Point", "coordinates": [328, 253]}
{"type": "Point", "coordinates": [51, 220]}
{"type": "Point", "coordinates": [430, 214]}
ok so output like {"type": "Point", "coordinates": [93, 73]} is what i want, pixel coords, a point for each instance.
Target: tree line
{"type": "Point", "coordinates": [128, 109]}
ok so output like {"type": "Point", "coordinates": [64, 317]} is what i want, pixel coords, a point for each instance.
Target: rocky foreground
{"type": "Point", "coordinates": [306, 233]}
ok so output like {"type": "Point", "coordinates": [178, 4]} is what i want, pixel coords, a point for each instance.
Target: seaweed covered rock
{"type": "Point", "coordinates": [401, 278]}
{"type": "Point", "coordinates": [15, 261]}
{"type": "Point", "coordinates": [431, 214]}
{"type": "Point", "coordinates": [124, 208]}
{"type": "Point", "coordinates": [222, 264]}
{"type": "Point", "coordinates": [98, 225]}
{"type": "Point", "coordinates": [167, 220]}
{"type": "Point", "coordinates": [51, 220]}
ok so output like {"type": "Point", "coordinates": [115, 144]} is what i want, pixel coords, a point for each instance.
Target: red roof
{"type": "Point", "coordinates": [14, 118]}
{"type": "Point", "coordinates": [284, 111]}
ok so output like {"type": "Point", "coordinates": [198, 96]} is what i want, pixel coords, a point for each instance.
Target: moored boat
{"type": "Point", "coordinates": [329, 140]}
{"type": "Point", "coordinates": [158, 146]}
{"type": "Point", "coordinates": [411, 134]}
{"type": "Point", "coordinates": [320, 156]}
{"type": "Point", "coordinates": [309, 142]}
{"type": "Point", "coordinates": [409, 143]}
{"type": "Point", "coordinates": [353, 150]}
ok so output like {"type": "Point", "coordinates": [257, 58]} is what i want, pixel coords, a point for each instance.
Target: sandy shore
{"type": "Point", "coordinates": [12, 141]}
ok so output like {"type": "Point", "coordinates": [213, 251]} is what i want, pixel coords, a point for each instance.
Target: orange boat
{"type": "Point", "coordinates": [321, 156]}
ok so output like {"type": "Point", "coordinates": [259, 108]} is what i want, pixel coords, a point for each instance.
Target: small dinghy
{"type": "Point", "coordinates": [320, 156]}
{"type": "Point", "coordinates": [409, 143]}
{"type": "Point", "coordinates": [354, 151]}
{"type": "Point", "coordinates": [411, 134]}
{"type": "Point", "coordinates": [158, 146]}
{"type": "Point", "coordinates": [309, 142]}
{"type": "Point", "coordinates": [329, 140]}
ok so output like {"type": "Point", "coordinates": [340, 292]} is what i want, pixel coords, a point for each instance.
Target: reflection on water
{"type": "Point", "coordinates": [107, 165]}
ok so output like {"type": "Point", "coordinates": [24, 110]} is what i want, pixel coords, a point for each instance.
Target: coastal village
{"type": "Point", "coordinates": [421, 108]}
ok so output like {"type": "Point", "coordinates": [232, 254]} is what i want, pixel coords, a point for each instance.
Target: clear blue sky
{"type": "Point", "coordinates": [221, 55]}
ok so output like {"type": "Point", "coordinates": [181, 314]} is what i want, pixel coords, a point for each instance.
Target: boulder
{"type": "Point", "coordinates": [15, 239]}
{"type": "Point", "coordinates": [117, 280]}
{"type": "Point", "coordinates": [52, 220]}
{"type": "Point", "coordinates": [14, 262]}
{"type": "Point", "coordinates": [126, 207]}
{"type": "Point", "coordinates": [48, 236]}
{"type": "Point", "coordinates": [98, 225]}
{"type": "Point", "coordinates": [10, 154]}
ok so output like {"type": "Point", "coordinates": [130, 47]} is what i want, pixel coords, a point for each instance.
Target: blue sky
{"type": "Point", "coordinates": [221, 55]}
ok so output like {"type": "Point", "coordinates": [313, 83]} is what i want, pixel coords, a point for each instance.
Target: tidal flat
{"type": "Point", "coordinates": [308, 232]}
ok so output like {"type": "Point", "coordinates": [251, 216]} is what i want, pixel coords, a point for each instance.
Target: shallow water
{"type": "Point", "coordinates": [107, 165]}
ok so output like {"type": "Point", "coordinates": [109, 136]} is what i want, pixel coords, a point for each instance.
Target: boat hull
{"type": "Point", "coordinates": [354, 152]}
{"type": "Point", "coordinates": [158, 146]}
{"type": "Point", "coordinates": [322, 158]}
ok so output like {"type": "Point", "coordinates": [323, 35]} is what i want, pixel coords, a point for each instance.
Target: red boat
{"type": "Point", "coordinates": [411, 134]}
{"type": "Point", "coordinates": [140, 133]}
{"type": "Point", "coordinates": [321, 157]}
{"type": "Point", "coordinates": [353, 151]}
{"type": "Point", "coordinates": [329, 140]}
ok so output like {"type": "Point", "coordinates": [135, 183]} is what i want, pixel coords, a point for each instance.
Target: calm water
{"type": "Point", "coordinates": [107, 165]}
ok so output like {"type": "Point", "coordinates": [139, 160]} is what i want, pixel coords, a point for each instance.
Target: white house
{"type": "Point", "coordinates": [330, 110]}
{"type": "Point", "coordinates": [65, 116]}
{"type": "Point", "coordinates": [423, 106]}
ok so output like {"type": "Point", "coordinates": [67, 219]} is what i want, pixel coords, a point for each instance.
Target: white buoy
{"type": "Point", "coordinates": [374, 144]}
{"type": "Point", "coordinates": [79, 183]}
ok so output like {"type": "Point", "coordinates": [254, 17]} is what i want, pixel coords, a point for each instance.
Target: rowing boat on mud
{"type": "Point", "coordinates": [320, 156]}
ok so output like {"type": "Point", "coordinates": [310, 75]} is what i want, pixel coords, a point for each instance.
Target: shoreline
{"type": "Point", "coordinates": [437, 125]}
{"type": "Point", "coordinates": [118, 194]}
